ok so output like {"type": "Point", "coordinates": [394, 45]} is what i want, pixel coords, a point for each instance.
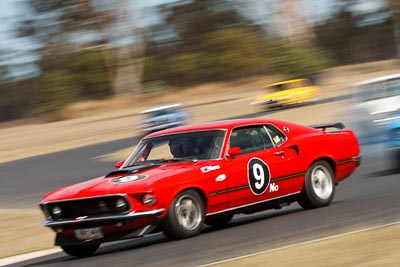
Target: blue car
{"type": "Point", "coordinates": [393, 128]}
{"type": "Point", "coordinates": [164, 117]}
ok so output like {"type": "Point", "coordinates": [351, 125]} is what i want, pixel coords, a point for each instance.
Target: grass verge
{"type": "Point", "coordinates": [21, 232]}
{"type": "Point", "coordinates": [375, 247]}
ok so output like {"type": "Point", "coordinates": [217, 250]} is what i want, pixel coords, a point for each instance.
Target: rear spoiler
{"type": "Point", "coordinates": [337, 125]}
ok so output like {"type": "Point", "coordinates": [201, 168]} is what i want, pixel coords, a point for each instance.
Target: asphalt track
{"type": "Point", "coordinates": [368, 198]}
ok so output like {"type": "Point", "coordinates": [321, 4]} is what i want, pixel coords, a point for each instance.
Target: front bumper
{"type": "Point", "coordinates": [113, 228]}
{"type": "Point", "coordinates": [86, 219]}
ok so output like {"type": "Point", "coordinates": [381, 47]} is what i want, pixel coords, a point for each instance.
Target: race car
{"type": "Point", "coordinates": [376, 103]}
{"type": "Point", "coordinates": [393, 133]}
{"type": "Point", "coordinates": [179, 179]}
{"type": "Point", "coordinates": [163, 117]}
{"type": "Point", "coordinates": [287, 93]}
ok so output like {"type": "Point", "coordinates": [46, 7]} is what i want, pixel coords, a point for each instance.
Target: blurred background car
{"type": "Point", "coordinates": [164, 117]}
{"type": "Point", "coordinates": [289, 92]}
{"type": "Point", "coordinates": [393, 130]}
{"type": "Point", "coordinates": [377, 101]}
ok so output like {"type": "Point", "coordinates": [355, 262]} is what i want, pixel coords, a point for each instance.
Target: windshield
{"type": "Point", "coordinates": [199, 145]}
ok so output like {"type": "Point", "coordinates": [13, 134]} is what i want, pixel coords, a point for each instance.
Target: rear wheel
{"type": "Point", "coordinates": [185, 216]}
{"type": "Point", "coordinates": [81, 250]}
{"type": "Point", "coordinates": [319, 188]}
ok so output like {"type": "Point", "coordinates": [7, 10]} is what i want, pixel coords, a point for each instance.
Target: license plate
{"type": "Point", "coordinates": [89, 233]}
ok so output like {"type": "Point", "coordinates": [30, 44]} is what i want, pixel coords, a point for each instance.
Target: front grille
{"type": "Point", "coordinates": [91, 207]}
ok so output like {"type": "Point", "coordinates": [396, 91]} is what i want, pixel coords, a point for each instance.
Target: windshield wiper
{"type": "Point", "coordinates": [178, 159]}
{"type": "Point", "coordinates": [140, 163]}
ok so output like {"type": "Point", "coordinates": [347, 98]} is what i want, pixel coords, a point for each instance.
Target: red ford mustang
{"type": "Point", "coordinates": [179, 179]}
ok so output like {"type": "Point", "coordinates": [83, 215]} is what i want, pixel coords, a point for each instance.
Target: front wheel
{"type": "Point", "coordinates": [185, 216]}
{"type": "Point", "coordinates": [319, 188]}
{"type": "Point", "coordinates": [81, 250]}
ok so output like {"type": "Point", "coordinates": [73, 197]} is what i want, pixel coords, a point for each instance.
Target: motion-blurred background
{"type": "Point", "coordinates": [61, 60]}
{"type": "Point", "coordinates": [54, 52]}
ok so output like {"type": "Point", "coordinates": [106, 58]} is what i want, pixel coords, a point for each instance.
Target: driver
{"type": "Point", "coordinates": [181, 147]}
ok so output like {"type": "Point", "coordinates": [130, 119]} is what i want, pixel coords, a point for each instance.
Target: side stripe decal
{"type": "Point", "coordinates": [242, 187]}
{"type": "Point", "coordinates": [352, 159]}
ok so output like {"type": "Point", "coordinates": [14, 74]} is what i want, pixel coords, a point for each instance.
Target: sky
{"type": "Point", "coordinates": [9, 11]}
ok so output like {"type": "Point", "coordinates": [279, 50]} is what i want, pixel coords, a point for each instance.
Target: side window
{"type": "Point", "coordinates": [276, 136]}
{"type": "Point", "coordinates": [245, 139]}
{"type": "Point", "coordinates": [266, 139]}
{"type": "Point", "coordinates": [250, 139]}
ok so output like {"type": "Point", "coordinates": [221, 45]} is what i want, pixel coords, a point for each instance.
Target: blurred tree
{"type": "Point", "coordinates": [58, 21]}
{"type": "Point", "coordinates": [355, 37]}
{"type": "Point", "coordinates": [293, 25]}
{"type": "Point", "coordinates": [295, 53]}
{"type": "Point", "coordinates": [335, 34]}
{"type": "Point", "coordinates": [395, 12]}
{"type": "Point", "coordinates": [74, 53]}
{"type": "Point", "coordinates": [57, 88]}
{"type": "Point", "coordinates": [17, 98]}
{"type": "Point", "coordinates": [299, 60]}
{"type": "Point", "coordinates": [204, 40]}
{"type": "Point", "coordinates": [71, 26]}
{"type": "Point", "coordinates": [192, 20]}
{"type": "Point", "coordinates": [88, 71]}
{"type": "Point", "coordinates": [85, 24]}
{"type": "Point", "coordinates": [129, 57]}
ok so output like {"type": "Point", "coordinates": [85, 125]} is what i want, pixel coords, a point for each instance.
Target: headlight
{"type": "Point", "coordinates": [56, 212]}
{"type": "Point", "coordinates": [121, 204]}
{"type": "Point", "coordinates": [149, 199]}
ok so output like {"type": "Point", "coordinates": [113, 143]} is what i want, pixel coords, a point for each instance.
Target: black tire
{"type": "Point", "coordinates": [319, 187]}
{"type": "Point", "coordinates": [81, 250]}
{"type": "Point", "coordinates": [219, 222]}
{"type": "Point", "coordinates": [185, 216]}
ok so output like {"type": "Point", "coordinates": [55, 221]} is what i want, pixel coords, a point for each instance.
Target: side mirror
{"type": "Point", "coordinates": [234, 151]}
{"type": "Point", "coordinates": [119, 164]}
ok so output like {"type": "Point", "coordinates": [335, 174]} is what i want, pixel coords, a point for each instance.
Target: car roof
{"type": "Point", "coordinates": [377, 79]}
{"type": "Point", "coordinates": [162, 107]}
{"type": "Point", "coordinates": [216, 125]}
{"type": "Point", "coordinates": [286, 82]}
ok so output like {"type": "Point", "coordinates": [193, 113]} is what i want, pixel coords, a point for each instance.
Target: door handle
{"type": "Point", "coordinates": [279, 153]}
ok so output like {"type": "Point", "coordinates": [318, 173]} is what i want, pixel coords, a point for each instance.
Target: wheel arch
{"type": "Point", "coordinates": [178, 226]}
{"type": "Point", "coordinates": [194, 188]}
{"type": "Point", "coordinates": [330, 161]}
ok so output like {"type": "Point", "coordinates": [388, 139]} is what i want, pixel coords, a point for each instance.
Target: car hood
{"type": "Point", "coordinates": [124, 181]}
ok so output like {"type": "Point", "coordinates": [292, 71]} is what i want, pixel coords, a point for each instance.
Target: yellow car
{"type": "Point", "coordinates": [290, 92]}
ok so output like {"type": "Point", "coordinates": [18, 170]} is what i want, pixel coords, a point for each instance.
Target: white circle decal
{"type": "Point", "coordinates": [258, 175]}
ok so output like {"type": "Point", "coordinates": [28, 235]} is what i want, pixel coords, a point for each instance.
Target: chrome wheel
{"type": "Point", "coordinates": [321, 182]}
{"type": "Point", "coordinates": [185, 216]}
{"type": "Point", "coordinates": [188, 212]}
{"type": "Point", "coordinates": [319, 186]}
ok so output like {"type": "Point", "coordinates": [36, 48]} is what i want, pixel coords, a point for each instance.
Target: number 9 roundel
{"type": "Point", "coordinates": [259, 175]}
